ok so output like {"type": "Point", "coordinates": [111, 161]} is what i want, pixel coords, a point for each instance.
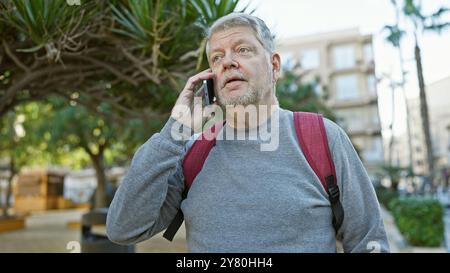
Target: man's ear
{"type": "Point", "coordinates": [276, 66]}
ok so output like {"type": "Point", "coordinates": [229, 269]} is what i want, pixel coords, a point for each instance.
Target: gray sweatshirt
{"type": "Point", "coordinates": [248, 200]}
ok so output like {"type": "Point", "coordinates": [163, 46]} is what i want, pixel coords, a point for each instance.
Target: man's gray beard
{"type": "Point", "coordinates": [250, 97]}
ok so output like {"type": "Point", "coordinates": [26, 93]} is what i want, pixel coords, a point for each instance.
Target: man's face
{"type": "Point", "coordinates": [243, 69]}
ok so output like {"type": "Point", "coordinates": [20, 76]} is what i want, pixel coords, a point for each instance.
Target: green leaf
{"type": "Point", "coordinates": [394, 34]}
{"type": "Point", "coordinates": [30, 50]}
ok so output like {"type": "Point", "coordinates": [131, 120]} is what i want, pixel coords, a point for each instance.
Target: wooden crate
{"type": "Point", "coordinates": [11, 224]}
{"type": "Point", "coordinates": [38, 190]}
{"type": "Point", "coordinates": [25, 204]}
{"type": "Point", "coordinates": [63, 203]}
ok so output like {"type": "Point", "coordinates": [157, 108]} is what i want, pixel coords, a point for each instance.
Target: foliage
{"type": "Point", "coordinates": [419, 220]}
{"type": "Point", "coordinates": [66, 128]}
{"type": "Point", "coordinates": [395, 173]}
{"type": "Point", "coordinates": [17, 142]}
{"type": "Point", "coordinates": [297, 95]}
{"type": "Point", "coordinates": [386, 195]}
{"type": "Point", "coordinates": [395, 34]}
{"type": "Point", "coordinates": [433, 21]}
{"type": "Point", "coordinates": [46, 21]}
{"type": "Point", "coordinates": [135, 55]}
{"type": "Point", "coordinates": [119, 63]}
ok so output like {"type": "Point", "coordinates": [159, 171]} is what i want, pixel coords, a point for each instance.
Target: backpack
{"type": "Point", "coordinates": [312, 138]}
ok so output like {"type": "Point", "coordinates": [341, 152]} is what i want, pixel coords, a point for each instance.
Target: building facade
{"type": "Point", "coordinates": [343, 63]}
{"type": "Point", "coordinates": [438, 100]}
{"type": "Point", "coordinates": [400, 146]}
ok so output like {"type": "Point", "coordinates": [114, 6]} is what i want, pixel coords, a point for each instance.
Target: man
{"type": "Point", "coordinates": [245, 199]}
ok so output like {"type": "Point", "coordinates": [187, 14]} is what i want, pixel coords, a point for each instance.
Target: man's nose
{"type": "Point", "coordinates": [229, 62]}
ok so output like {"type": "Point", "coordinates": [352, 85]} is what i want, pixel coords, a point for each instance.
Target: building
{"type": "Point", "coordinates": [438, 100]}
{"type": "Point", "coordinates": [400, 146]}
{"type": "Point", "coordinates": [344, 64]}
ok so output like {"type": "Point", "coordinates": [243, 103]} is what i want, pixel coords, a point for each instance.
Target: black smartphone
{"type": "Point", "coordinates": [208, 91]}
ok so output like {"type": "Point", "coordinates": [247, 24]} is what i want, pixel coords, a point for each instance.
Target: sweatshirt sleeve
{"type": "Point", "coordinates": [362, 229]}
{"type": "Point", "coordinates": [150, 194]}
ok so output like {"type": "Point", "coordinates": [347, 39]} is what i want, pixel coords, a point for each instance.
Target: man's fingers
{"type": "Point", "coordinates": [192, 81]}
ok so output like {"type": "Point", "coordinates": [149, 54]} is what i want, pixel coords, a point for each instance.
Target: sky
{"type": "Point", "coordinates": [293, 18]}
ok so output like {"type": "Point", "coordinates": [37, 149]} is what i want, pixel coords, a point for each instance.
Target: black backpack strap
{"type": "Point", "coordinates": [336, 206]}
{"type": "Point", "coordinates": [175, 225]}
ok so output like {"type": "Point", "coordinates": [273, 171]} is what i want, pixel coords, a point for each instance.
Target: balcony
{"type": "Point", "coordinates": [362, 101]}
{"type": "Point", "coordinates": [367, 67]}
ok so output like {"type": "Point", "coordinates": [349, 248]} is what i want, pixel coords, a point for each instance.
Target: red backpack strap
{"type": "Point", "coordinates": [192, 165]}
{"type": "Point", "coordinates": [196, 156]}
{"type": "Point", "coordinates": [313, 141]}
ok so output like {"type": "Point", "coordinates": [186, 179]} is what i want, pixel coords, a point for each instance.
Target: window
{"type": "Point", "coordinates": [310, 59]}
{"type": "Point", "coordinates": [344, 57]}
{"type": "Point", "coordinates": [368, 53]}
{"type": "Point", "coordinates": [375, 117]}
{"type": "Point", "coordinates": [344, 119]}
{"type": "Point", "coordinates": [346, 87]}
{"type": "Point", "coordinates": [356, 119]}
{"type": "Point", "coordinates": [373, 151]}
{"type": "Point", "coordinates": [372, 85]}
{"type": "Point", "coordinates": [287, 60]}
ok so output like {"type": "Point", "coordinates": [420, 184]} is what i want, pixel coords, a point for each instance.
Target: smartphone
{"type": "Point", "coordinates": [208, 91]}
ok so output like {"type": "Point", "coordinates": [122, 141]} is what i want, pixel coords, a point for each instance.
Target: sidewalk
{"type": "Point", "coordinates": [48, 232]}
{"type": "Point", "coordinates": [397, 243]}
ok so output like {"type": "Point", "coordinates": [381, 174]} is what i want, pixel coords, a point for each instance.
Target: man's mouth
{"type": "Point", "coordinates": [233, 81]}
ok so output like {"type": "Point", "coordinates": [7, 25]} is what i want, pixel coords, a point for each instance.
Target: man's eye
{"type": "Point", "coordinates": [215, 58]}
{"type": "Point", "coordinates": [244, 50]}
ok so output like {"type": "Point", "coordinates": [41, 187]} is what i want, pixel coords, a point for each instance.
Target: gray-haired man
{"type": "Point", "coordinates": [245, 199]}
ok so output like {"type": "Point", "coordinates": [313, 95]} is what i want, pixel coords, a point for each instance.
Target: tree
{"type": "Point", "coordinates": [18, 147]}
{"type": "Point", "coordinates": [395, 173]}
{"type": "Point", "coordinates": [72, 126]}
{"type": "Point", "coordinates": [296, 95]}
{"type": "Point", "coordinates": [394, 37]}
{"type": "Point", "coordinates": [424, 23]}
{"type": "Point", "coordinates": [9, 139]}
{"type": "Point", "coordinates": [132, 54]}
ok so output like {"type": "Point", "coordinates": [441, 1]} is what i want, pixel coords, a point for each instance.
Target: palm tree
{"type": "Point", "coordinates": [424, 23]}
{"type": "Point", "coordinates": [395, 35]}
{"type": "Point", "coordinates": [131, 53]}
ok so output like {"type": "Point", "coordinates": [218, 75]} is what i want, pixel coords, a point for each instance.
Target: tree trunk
{"type": "Point", "coordinates": [12, 172]}
{"type": "Point", "coordinates": [403, 80]}
{"type": "Point", "coordinates": [424, 113]}
{"type": "Point", "coordinates": [394, 184]}
{"type": "Point", "coordinates": [408, 121]}
{"type": "Point", "coordinates": [391, 126]}
{"type": "Point", "coordinates": [100, 192]}
{"type": "Point", "coordinates": [408, 131]}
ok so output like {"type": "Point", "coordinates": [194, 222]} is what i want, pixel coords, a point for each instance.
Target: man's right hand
{"type": "Point", "coordinates": [183, 109]}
